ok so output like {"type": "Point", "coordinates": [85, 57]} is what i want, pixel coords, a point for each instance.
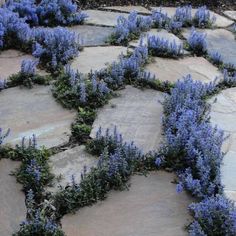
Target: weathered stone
{"type": "Point", "coordinates": [150, 207]}
{"type": "Point", "coordinates": [96, 58]}
{"type": "Point", "coordinates": [171, 70]}
{"type": "Point", "coordinates": [104, 18]}
{"type": "Point", "coordinates": [12, 199]}
{"type": "Point", "coordinates": [34, 111]}
{"type": "Point", "coordinates": [10, 62]}
{"type": "Point", "coordinates": [137, 115]}
{"type": "Point", "coordinates": [223, 114]}
{"type": "Point", "coordinates": [128, 9]}
{"type": "Point", "coordinates": [231, 14]}
{"type": "Point", "coordinates": [221, 21]}
{"type": "Point", "coordinates": [162, 34]}
{"type": "Point", "coordinates": [71, 162]}
{"type": "Point", "coordinates": [92, 35]}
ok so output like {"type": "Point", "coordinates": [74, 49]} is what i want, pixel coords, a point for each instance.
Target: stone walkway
{"type": "Point", "coordinates": [151, 207]}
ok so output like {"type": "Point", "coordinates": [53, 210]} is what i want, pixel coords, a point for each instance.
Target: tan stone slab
{"type": "Point", "coordinates": [221, 21]}
{"type": "Point", "coordinates": [231, 14]}
{"type": "Point", "coordinates": [223, 114]}
{"type": "Point", "coordinates": [151, 207]}
{"type": "Point", "coordinates": [128, 9]}
{"type": "Point", "coordinates": [105, 18]}
{"type": "Point", "coordinates": [96, 58]}
{"type": "Point", "coordinates": [34, 111]}
{"type": "Point", "coordinates": [137, 115]}
{"type": "Point", "coordinates": [171, 70]}
{"type": "Point", "coordinates": [12, 199]}
{"type": "Point", "coordinates": [71, 162]}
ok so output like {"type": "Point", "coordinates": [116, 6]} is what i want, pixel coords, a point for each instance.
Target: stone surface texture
{"type": "Point", "coordinates": [128, 9]}
{"type": "Point", "coordinates": [104, 18]}
{"type": "Point", "coordinates": [223, 114]}
{"type": "Point", "coordinates": [92, 35]}
{"type": "Point", "coordinates": [96, 58]}
{"type": "Point", "coordinates": [12, 199]}
{"type": "Point", "coordinates": [34, 111]}
{"type": "Point", "coordinates": [137, 115]}
{"type": "Point", "coordinates": [71, 162]}
{"type": "Point", "coordinates": [231, 14]}
{"type": "Point", "coordinates": [172, 70]}
{"type": "Point", "coordinates": [221, 21]}
{"type": "Point", "coordinates": [151, 207]}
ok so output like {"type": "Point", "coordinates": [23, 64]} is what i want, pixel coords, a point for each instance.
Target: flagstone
{"type": "Point", "coordinates": [70, 163]}
{"type": "Point", "coordinates": [171, 70]}
{"type": "Point", "coordinates": [128, 9]}
{"type": "Point", "coordinates": [104, 18]}
{"type": "Point", "coordinates": [12, 199]}
{"type": "Point", "coordinates": [34, 111]}
{"type": "Point", "coordinates": [96, 58]}
{"type": "Point", "coordinates": [137, 116]}
{"type": "Point", "coordinates": [92, 35]}
{"type": "Point", "coordinates": [231, 14]}
{"type": "Point", "coordinates": [223, 114]}
{"type": "Point", "coordinates": [150, 207]}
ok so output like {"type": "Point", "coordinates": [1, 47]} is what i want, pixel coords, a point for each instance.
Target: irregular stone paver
{"type": "Point", "coordinates": [231, 14]}
{"type": "Point", "coordinates": [128, 9]}
{"type": "Point", "coordinates": [105, 18]}
{"type": "Point", "coordinates": [12, 199]}
{"type": "Point", "coordinates": [162, 34]}
{"type": "Point", "coordinates": [71, 162]}
{"type": "Point", "coordinates": [220, 40]}
{"type": "Point", "coordinates": [221, 21]}
{"type": "Point", "coordinates": [10, 62]}
{"type": "Point", "coordinates": [151, 207]}
{"type": "Point", "coordinates": [96, 58]}
{"type": "Point", "coordinates": [223, 114]}
{"type": "Point", "coordinates": [172, 70]}
{"type": "Point", "coordinates": [137, 115]}
{"type": "Point", "coordinates": [92, 35]}
{"type": "Point", "coordinates": [34, 111]}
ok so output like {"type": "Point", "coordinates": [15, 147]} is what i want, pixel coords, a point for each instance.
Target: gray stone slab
{"type": "Point", "coordinates": [231, 14]}
{"type": "Point", "coordinates": [71, 162]}
{"type": "Point", "coordinates": [223, 114]}
{"type": "Point", "coordinates": [151, 207]}
{"type": "Point", "coordinates": [92, 35]}
{"type": "Point", "coordinates": [137, 115]}
{"type": "Point", "coordinates": [34, 111]}
{"type": "Point", "coordinates": [96, 58]}
{"type": "Point", "coordinates": [221, 21]}
{"type": "Point", "coordinates": [104, 18]}
{"type": "Point", "coordinates": [171, 70]}
{"type": "Point", "coordinates": [128, 9]}
{"type": "Point", "coordinates": [12, 199]}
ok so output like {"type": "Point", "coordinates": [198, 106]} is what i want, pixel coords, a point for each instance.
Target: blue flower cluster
{"type": "Point", "coordinates": [47, 12]}
{"type": "Point", "coordinates": [203, 17]}
{"type": "Point", "coordinates": [159, 18]}
{"type": "Point", "coordinates": [163, 47]}
{"type": "Point", "coordinates": [184, 15]}
{"type": "Point", "coordinates": [28, 67]}
{"type": "Point", "coordinates": [130, 28]}
{"type": "Point", "coordinates": [216, 58]}
{"type": "Point", "coordinates": [197, 42]}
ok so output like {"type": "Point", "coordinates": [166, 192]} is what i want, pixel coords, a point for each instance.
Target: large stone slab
{"type": "Point", "coordinates": [171, 70]}
{"type": "Point", "coordinates": [150, 207]}
{"type": "Point", "coordinates": [71, 163]}
{"type": "Point", "coordinates": [96, 58]}
{"type": "Point", "coordinates": [223, 114]}
{"type": "Point", "coordinates": [231, 14]}
{"type": "Point", "coordinates": [12, 199]}
{"type": "Point", "coordinates": [34, 111]}
{"type": "Point", "coordinates": [92, 35]}
{"type": "Point", "coordinates": [153, 32]}
{"type": "Point", "coordinates": [128, 9]}
{"type": "Point", "coordinates": [137, 115]}
{"type": "Point", "coordinates": [10, 62]}
{"type": "Point", "coordinates": [103, 18]}
{"type": "Point", "coordinates": [221, 21]}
